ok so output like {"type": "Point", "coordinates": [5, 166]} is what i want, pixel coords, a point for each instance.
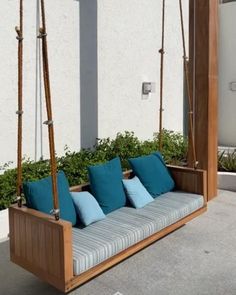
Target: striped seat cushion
{"type": "Point", "coordinates": [127, 226]}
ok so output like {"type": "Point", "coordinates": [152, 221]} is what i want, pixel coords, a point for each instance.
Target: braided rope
{"type": "Point", "coordinates": [189, 94]}
{"type": "Point", "coordinates": [49, 122]}
{"type": "Point", "coordinates": [162, 52]}
{"type": "Point", "coordinates": [19, 112]}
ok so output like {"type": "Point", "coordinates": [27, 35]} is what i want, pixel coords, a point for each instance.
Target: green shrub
{"type": "Point", "coordinates": [227, 161]}
{"type": "Point", "coordinates": [174, 147]}
{"type": "Point", "coordinates": [74, 164]}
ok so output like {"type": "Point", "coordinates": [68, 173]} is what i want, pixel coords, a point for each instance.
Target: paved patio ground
{"type": "Point", "coordinates": [198, 259]}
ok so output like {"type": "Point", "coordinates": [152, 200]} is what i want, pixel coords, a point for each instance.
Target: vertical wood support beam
{"type": "Point", "coordinates": [204, 72]}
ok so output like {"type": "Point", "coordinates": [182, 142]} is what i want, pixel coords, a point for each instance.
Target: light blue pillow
{"type": "Point", "coordinates": [87, 207]}
{"type": "Point", "coordinates": [136, 192]}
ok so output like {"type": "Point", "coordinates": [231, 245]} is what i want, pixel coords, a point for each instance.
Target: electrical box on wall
{"type": "Point", "coordinates": [232, 86]}
{"type": "Point", "coordinates": [147, 88]}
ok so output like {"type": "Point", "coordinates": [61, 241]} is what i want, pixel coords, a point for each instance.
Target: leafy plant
{"type": "Point", "coordinates": [227, 161]}
{"type": "Point", "coordinates": [174, 147]}
{"type": "Point", "coordinates": [74, 164]}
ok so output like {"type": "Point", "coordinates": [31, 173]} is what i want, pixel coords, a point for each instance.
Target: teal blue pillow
{"type": "Point", "coordinates": [136, 192]}
{"type": "Point", "coordinates": [153, 173]}
{"type": "Point", "coordinates": [106, 185]}
{"type": "Point", "coordinates": [38, 196]}
{"type": "Point", "coordinates": [87, 208]}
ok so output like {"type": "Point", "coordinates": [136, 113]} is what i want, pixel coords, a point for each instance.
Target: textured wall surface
{"type": "Point", "coordinates": [63, 38]}
{"type": "Point", "coordinates": [128, 42]}
{"type": "Point", "coordinates": [100, 53]}
{"type": "Point", "coordinates": [227, 74]}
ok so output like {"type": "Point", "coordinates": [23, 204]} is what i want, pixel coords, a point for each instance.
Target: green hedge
{"type": "Point", "coordinates": [227, 161]}
{"type": "Point", "coordinates": [74, 164]}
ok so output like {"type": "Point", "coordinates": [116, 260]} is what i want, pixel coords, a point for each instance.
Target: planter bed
{"type": "Point", "coordinates": [227, 180]}
{"type": "Point", "coordinates": [4, 225]}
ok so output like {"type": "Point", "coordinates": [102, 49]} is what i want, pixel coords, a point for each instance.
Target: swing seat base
{"type": "Point", "coordinates": [127, 226]}
{"type": "Point", "coordinates": [44, 246]}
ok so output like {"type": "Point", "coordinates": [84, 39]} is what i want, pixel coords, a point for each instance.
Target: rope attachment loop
{"type": "Point", "coordinates": [55, 213]}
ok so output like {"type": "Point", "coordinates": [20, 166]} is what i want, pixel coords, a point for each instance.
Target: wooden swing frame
{"type": "Point", "coordinates": [43, 246]}
{"type": "Point", "coordinates": [41, 243]}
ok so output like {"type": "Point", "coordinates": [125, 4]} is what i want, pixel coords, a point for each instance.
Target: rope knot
{"type": "Point", "coordinates": [42, 33]}
{"type": "Point", "coordinates": [19, 112]}
{"type": "Point", "coordinates": [161, 51]}
{"type": "Point", "coordinates": [19, 36]}
{"type": "Point", "coordinates": [48, 122]}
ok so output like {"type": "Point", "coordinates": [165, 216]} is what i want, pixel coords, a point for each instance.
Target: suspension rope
{"type": "Point", "coordinates": [19, 112]}
{"type": "Point", "coordinates": [162, 52]}
{"type": "Point", "coordinates": [38, 93]}
{"type": "Point", "coordinates": [49, 122]}
{"type": "Point", "coordinates": [189, 94]}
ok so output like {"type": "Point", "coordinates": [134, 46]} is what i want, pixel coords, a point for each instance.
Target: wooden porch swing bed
{"type": "Point", "coordinates": [42, 243]}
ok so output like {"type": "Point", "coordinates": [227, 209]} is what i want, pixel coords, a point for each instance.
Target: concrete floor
{"type": "Point", "coordinates": [198, 259]}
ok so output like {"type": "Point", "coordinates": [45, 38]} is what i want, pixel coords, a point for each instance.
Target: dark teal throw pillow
{"type": "Point", "coordinates": [106, 185]}
{"type": "Point", "coordinates": [153, 173]}
{"type": "Point", "coordinates": [38, 196]}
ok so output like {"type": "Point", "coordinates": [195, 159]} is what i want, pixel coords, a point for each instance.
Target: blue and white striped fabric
{"type": "Point", "coordinates": [127, 226]}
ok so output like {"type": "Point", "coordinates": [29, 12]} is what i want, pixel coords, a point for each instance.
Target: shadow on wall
{"type": "Point", "coordinates": [88, 72]}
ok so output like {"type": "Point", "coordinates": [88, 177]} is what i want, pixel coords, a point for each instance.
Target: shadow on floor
{"type": "Point", "coordinates": [196, 259]}
{"type": "Point", "coordinates": [14, 280]}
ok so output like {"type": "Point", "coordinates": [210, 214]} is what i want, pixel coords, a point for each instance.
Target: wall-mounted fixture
{"type": "Point", "coordinates": [148, 87]}
{"type": "Point", "coordinates": [232, 86]}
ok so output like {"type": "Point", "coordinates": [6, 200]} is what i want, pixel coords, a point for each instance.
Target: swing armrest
{"type": "Point", "coordinates": [190, 180]}
{"type": "Point", "coordinates": [41, 245]}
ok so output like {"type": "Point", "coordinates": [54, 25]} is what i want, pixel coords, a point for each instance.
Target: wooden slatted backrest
{"type": "Point", "coordinates": [86, 187]}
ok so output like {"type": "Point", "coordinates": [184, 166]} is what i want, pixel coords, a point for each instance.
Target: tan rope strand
{"type": "Point", "coordinates": [162, 52]}
{"type": "Point", "coordinates": [190, 100]}
{"type": "Point", "coordinates": [19, 31]}
{"type": "Point", "coordinates": [46, 76]}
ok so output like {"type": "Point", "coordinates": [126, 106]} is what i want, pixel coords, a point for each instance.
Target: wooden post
{"type": "Point", "coordinates": [203, 24]}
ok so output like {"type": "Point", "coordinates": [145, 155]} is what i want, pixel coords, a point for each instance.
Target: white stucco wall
{"type": "Point", "coordinates": [227, 74]}
{"type": "Point", "coordinates": [128, 44]}
{"type": "Point", "coordinates": [100, 53]}
{"type": "Point", "coordinates": [63, 38]}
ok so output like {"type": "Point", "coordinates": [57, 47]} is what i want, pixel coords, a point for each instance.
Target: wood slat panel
{"type": "Point", "coordinates": [56, 250]}
{"type": "Point", "coordinates": [204, 50]}
{"type": "Point", "coordinates": [34, 241]}
{"type": "Point", "coordinates": [66, 244]}
{"type": "Point", "coordinates": [28, 238]}
{"type": "Point", "coordinates": [190, 180]}
{"type": "Point", "coordinates": [36, 244]}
